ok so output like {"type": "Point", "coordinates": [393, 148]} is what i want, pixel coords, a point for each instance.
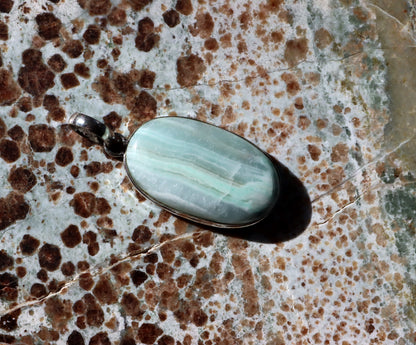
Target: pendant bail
{"type": "Point", "coordinates": [114, 143]}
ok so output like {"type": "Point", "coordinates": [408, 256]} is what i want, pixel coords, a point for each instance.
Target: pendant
{"type": "Point", "coordinates": [192, 169]}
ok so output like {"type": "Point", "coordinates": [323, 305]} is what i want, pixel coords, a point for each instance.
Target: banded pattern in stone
{"type": "Point", "coordinates": [197, 169]}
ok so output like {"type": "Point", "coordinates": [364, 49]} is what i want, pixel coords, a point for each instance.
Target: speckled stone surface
{"type": "Point", "coordinates": [326, 87]}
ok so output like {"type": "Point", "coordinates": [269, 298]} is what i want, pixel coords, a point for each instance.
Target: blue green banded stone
{"type": "Point", "coordinates": [201, 171]}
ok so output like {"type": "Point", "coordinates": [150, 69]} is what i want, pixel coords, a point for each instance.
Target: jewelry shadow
{"type": "Point", "coordinates": [288, 219]}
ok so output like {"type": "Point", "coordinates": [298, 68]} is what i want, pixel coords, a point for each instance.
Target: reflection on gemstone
{"type": "Point", "coordinates": [201, 171]}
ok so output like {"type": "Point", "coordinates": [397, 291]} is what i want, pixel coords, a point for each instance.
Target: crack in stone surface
{"type": "Point", "coordinates": [377, 159]}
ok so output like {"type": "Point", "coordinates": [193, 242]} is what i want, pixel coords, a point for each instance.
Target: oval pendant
{"type": "Point", "coordinates": [194, 170]}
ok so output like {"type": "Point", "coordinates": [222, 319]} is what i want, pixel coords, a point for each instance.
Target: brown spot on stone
{"type": "Point", "coordinates": [203, 26]}
{"type": "Point", "coordinates": [22, 179]}
{"type": "Point", "coordinates": [7, 339]}
{"type": "Point", "coordinates": [69, 80]}
{"type": "Point", "coordinates": [9, 151]}
{"type": "Point", "coordinates": [117, 17]}
{"type": "Point", "coordinates": [57, 114]}
{"type": "Point", "coordinates": [141, 234]}
{"type": "Point", "coordinates": [59, 312]}
{"type": "Point", "coordinates": [211, 44]}
{"type": "Point", "coordinates": [104, 291]}
{"type": "Point", "coordinates": [148, 333]}
{"type": "Point", "coordinates": [25, 104]}
{"type": "Point", "coordinates": [124, 84]}
{"type": "Point", "coordinates": [6, 5]}
{"type": "Point", "coordinates": [42, 275]}
{"type": "Point", "coordinates": [8, 286]}
{"type": "Point", "coordinates": [21, 271]}
{"type": "Point", "coordinates": [112, 120]}
{"type": "Point", "coordinates": [292, 85]}
{"type": "Point", "coordinates": [42, 138]}
{"type": "Point", "coordinates": [68, 268]}
{"type": "Point", "coordinates": [82, 70]}
{"type": "Point", "coordinates": [147, 79]}
{"type": "Point", "coordinates": [71, 236]}
{"type": "Point", "coordinates": [57, 63]}
{"type": "Point", "coordinates": [38, 290]}
{"type": "Point", "coordinates": [335, 176]}
{"type": "Point", "coordinates": [245, 20]}
{"type": "Point", "coordinates": [226, 40]}
{"type": "Point", "coordinates": [95, 315]}
{"type": "Point", "coordinates": [9, 90]}
{"type": "Point", "coordinates": [299, 103]}
{"type": "Point", "coordinates": [138, 277]}
{"type": "Point", "coordinates": [92, 34]}
{"type": "Point", "coordinates": [28, 245]}
{"type": "Point", "coordinates": [322, 38]}
{"type": "Point", "coordinates": [93, 168]}
{"type": "Point", "coordinates": [273, 5]}
{"type": "Point", "coordinates": [184, 7]}
{"type": "Point", "coordinates": [166, 340]}
{"type": "Point", "coordinates": [190, 70]}
{"type": "Point", "coordinates": [146, 39]}
{"type": "Point", "coordinates": [98, 7]}
{"type": "Point", "coordinates": [138, 5]}
{"type": "Point", "coordinates": [49, 257]}
{"type": "Point", "coordinates": [16, 133]}
{"type": "Point", "coordinates": [127, 341]}
{"type": "Point", "coordinates": [131, 305]}
{"type": "Point", "coordinates": [321, 123]}
{"type": "Point", "coordinates": [229, 116]}
{"type": "Point", "coordinates": [340, 153]}
{"type": "Point", "coordinates": [242, 47]}
{"type": "Point", "coordinates": [84, 204]}
{"type": "Point", "coordinates": [277, 36]}
{"type": "Point", "coordinates": [8, 322]}
{"type": "Point", "coordinates": [296, 51]}
{"type": "Point", "coordinates": [100, 339]}
{"type": "Point", "coordinates": [86, 281]}
{"type": "Point", "coordinates": [102, 206]}
{"type": "Point", "coordinates": [4, 31]}
{"type": "Point", "coordinates": [75, 338]}
{"type": "Point", "coordinates": [314, 151]}
{"type": "Point", "coordinates": [205, 238]}
{"type": "Point", "coordinates": [151, 258]}
{"type": "Point", "coordinates": [90, 238]}
{"type": "Point", "coordinates": [199, 318]}
{"type": "Point", "coordinates": [50, 102]}
{"type": "Point", "coordinates": [64, 156]}
{"type": "Point", "coordinates": [115, 53]}
{"type": "Point", "coordinates": [6, 260]}
{"type": "Point", "coordinates": [55, 286]}
{"type": "Point", "coordinates": [35, 77]}
{"type": "Point", "coordinates": [12, 208]}
{"type": "Point", "coordinates": [79, 307]}
{"type": "Point", "coordinates": [74, 171]}
{"type": "Point", "coordinates": [171, 18]}
{"type": "Point", "coordinates": [144, 106]}
{"type": "Point", "coordinates": [49, 25]}
{"type": "Point", "coordinates": [81, 320]}
{"type": "Point", "coordinates": [107, 90]}
{"type": "Point", "coordinates": [164, 271]}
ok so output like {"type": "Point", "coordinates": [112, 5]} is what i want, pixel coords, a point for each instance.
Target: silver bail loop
{"type": "Point", "coordinates": [114, 143]}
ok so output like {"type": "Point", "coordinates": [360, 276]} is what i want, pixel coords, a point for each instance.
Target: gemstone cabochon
{"type": "Point", "coordinates": [199, 170]}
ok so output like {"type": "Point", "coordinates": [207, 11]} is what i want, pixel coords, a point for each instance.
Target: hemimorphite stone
{"type": "Point", "coordinates": [201, 172]}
